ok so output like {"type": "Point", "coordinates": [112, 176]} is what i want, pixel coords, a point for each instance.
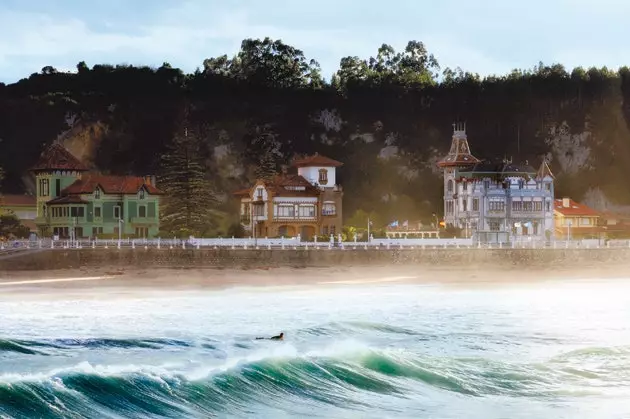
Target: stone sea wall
{"type": "Point", "coordinates": [480, 259]}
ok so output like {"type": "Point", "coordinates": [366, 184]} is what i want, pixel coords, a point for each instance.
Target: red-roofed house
{"type": "Point", "coordinates": [575, 221]}
{"type": "Point", "coordinates": [308, 203]}
{"type": "Point", "coordinates": [71, 202]}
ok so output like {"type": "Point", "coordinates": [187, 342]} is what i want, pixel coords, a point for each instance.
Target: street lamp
{"type": "Point", "coordinates": [120, 223]}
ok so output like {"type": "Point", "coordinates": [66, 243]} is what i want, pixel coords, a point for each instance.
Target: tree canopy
{"type": "Point", "coordinates": [387, 117]}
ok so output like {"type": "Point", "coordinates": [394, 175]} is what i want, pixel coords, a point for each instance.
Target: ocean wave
{"type": "Point", "coordinates": [332, 376]}
{"type": "Point", "coordinates": [40, 347]}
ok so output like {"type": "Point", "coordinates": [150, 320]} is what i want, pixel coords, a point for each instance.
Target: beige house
{"type": "Point", "coordinates": [307, 203]}
{"type": "Point", "coordinates": [575, 221]}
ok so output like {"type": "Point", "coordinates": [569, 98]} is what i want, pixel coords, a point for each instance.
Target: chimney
{"type": "Point", "coordinates": [149, 180]}
{"type": "Point", "coordinates": [566, 202]}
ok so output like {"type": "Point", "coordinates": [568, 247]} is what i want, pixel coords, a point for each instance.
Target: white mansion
{"type": "Point", "coordinates": [496, 201]}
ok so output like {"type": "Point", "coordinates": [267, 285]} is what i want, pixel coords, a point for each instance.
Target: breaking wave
{"type": "Point", "coordinates": [349, 375]}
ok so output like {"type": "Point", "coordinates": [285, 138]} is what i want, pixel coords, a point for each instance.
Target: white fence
{"type": "Point", "coordinates": [295, 243]}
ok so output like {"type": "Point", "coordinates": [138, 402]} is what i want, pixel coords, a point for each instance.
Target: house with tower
{"type": "Point", "coordinates": [496, 202]}
{"type": "Point", "coordinates": [306, 203]}
{"type": "Point", "coordinates": [74, 203]}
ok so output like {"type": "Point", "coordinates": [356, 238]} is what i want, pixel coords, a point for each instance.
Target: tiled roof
{"type": "Point", "coordinates": [110, 185]}
{"type": "Point", "coordinates": [68, 199]}
{"type": "Point", "coordinates": [18, 200]}
{"type": "Point", "coordinates": [281, 186]}
{"type": "Point", "coordinates": [57, 157]}
{"type": "Point", "coordinates": [574, 209]}
{"type": "Point", "coordinates": [30, 224]}
{"type": "Point", "coordinates": [316, 160]}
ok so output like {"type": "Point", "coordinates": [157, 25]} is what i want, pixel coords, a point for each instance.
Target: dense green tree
{"type": "Point", "coordinates": [11, 227]}
{"type": "Point", "coordinates": [188, 207]}
{"type": "Point", "coordinates": [387, 117]}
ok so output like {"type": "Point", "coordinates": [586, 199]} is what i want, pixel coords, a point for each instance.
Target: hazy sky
{"type": "Point", "coordinates": [485, 36]}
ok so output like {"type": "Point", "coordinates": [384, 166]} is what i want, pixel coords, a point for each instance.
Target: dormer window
{"type": "Point", "coordinates": [323, 176]}
{"type": "Point", "coordinates": [141, 193]}
{"type": "Point", "coordinates": [259, 193]}
{"type": "Point", "coordinates": [97, 193]}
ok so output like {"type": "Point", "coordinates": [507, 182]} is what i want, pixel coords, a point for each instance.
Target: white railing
{"type": "Point", "coordinates": [296, 242]}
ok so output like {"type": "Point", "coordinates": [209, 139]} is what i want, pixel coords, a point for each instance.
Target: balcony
{"type": "Point", "coordinates": [329, 213]}
{"type": "Point", "coordinates": [246, 219]}
{"type": "Point", "coordinates": [527, 214]}
{"type": "Point", "coordinates": [291, 218]}
{"type": "Point", "coordinates": [496, 213]}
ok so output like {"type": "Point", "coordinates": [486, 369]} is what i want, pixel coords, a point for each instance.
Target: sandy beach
{"type": "Point", "coordinates": [102, 279]}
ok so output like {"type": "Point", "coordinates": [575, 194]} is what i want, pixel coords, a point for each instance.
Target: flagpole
{"type": "Point", "coordinates": [368, 237]}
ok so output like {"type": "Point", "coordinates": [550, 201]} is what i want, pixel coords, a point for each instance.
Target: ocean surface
{"type": "Point", "coordinates": [542, 350]}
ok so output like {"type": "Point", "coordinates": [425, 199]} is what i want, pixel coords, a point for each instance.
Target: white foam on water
{"type": "Point", "coordinates": [370, 281]}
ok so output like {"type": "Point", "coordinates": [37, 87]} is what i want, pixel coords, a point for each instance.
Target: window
{"type": "Point", "coordinates": [494, 225]}
{"type": "Point", "coordinates": [259, 210]}
{"type": "Point", "coordinates": [585, 221]}
{"type": "Point", "coordinates": [323, 176]}
{"type": "Point", "coordinates": [44, 187]}
{"type": "Point", "coordinates": [332, 230]}
{"type": "Point", "coordinates": [57, 187]}
{"type": "Point", "coordinates": [547, 205]}
{"type": "Point", "coordinates": [517, 206]}
{"type": "Point", "coordinates": [97, 193]}
{"type": "Point", "coordinates": [465, 205]}
{"type": "Point", "coordinates": [142, 211]}
{"type": "Point", "coordinates": [141, 193]}
{"type": "Point", "coordinates": [259, 193]}
{"type": "Point", "coordinates": [528, 206]}
{"type": "Point", "coordinates": [325, 230]}
{"type": "Point", "coordinates": [538, 205]}
{"type": "Point", "coordinates": [307, 211]}
{"type": "Point", "coordinates": [449, 207]}
{"type": "Point", "coordinates": [496, 205]}
{"type": "Point", "coordinates": [97, 212]}
{"type": "Point", "coordinates": [66, 211]}
{"type": "Point", "coordinates": [475, 204]}
{"type": "Point", "coordinates": [486, 184]}
{"type": "Point", "coordinates": [329, 209]}
{"type": "Point", "coordinates": [117, 212]}
{"type": "Point", "coordinates": [97, 230]}
{"type": "Point", "coordinates": [286, 211]}
{"type": "Point", "coordinates": [449, 186]}
{"type": "Point", "coordinates": [465, 186]}
{"type": "Point", "coordinates": [548, 186]}
{"type": "Point", "coordinates": [74, 211]}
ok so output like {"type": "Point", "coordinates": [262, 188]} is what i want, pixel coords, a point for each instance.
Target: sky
{"type": "Point", "coordinates": [483, 36]}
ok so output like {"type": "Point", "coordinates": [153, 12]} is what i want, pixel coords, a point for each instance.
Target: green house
{"type": "Point", "coordinates": [74, 203]}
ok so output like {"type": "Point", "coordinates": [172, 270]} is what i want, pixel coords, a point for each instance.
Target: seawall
{"type": "Point", "coordinates": [477, 259]}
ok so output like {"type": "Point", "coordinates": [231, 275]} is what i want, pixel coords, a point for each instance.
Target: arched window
{"type": "Point", "coordinates": [449, 186]}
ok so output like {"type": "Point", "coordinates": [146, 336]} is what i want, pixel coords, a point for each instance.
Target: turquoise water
{"type": "Point", "coordinates": [546, 350]}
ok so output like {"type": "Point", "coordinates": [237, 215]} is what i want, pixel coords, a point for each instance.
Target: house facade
{"type": "Point", "coordinates": [23, 207]}
{"type": "Point", "coordinates": [307, 203]}
{"type": "Point", "coordinates": [575, 221]}
{"type": "Point", "coordinates": [496, 201]}
{"type": "Point", "coordinates": [74, 203]}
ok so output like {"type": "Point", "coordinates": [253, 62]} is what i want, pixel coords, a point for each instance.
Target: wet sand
{"type": "Point", "coordinates": [97, 281]}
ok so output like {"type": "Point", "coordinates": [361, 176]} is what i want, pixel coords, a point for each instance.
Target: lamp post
{"type": "Point", "coordinates": [120, 223]}
{"type": "Point", "coordinates": [569, 231]}
{"type": "Point", "coordinates": [368, 230]}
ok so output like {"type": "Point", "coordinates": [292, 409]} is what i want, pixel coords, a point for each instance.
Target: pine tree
{"type": "Point", "coordinates": [188, 206]}
{"type": "Point", "coordinates": [267, 153]}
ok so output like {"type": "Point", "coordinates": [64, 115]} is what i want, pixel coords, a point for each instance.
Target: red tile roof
{"type": "Point", "coordinates": [316, 160]}
{"type": "Point", "coordinates": [121, 185]}
{"type": "Point", "coordinates": [30, 224]}
{"type": "Point", "coordinates": [18, 200]}
{"type": "Point", "coordinates": [281, 185]}
{"type": "Point", "coordinates": [574, 209]}
{"type": "Point", "coordinates": [57, 157]}
{"type": "Point", "coordinates": [68, 199]}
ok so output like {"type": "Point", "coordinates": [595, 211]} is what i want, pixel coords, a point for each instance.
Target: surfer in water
{"type": "Point", "coordinates": [278, 337]}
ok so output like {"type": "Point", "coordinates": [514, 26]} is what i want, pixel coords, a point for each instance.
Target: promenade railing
{"type": "Point", "coordinates": [297, 243]}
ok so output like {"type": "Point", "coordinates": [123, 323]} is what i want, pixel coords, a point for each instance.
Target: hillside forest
{"type": "Point", "coordinates": [388, 118]}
